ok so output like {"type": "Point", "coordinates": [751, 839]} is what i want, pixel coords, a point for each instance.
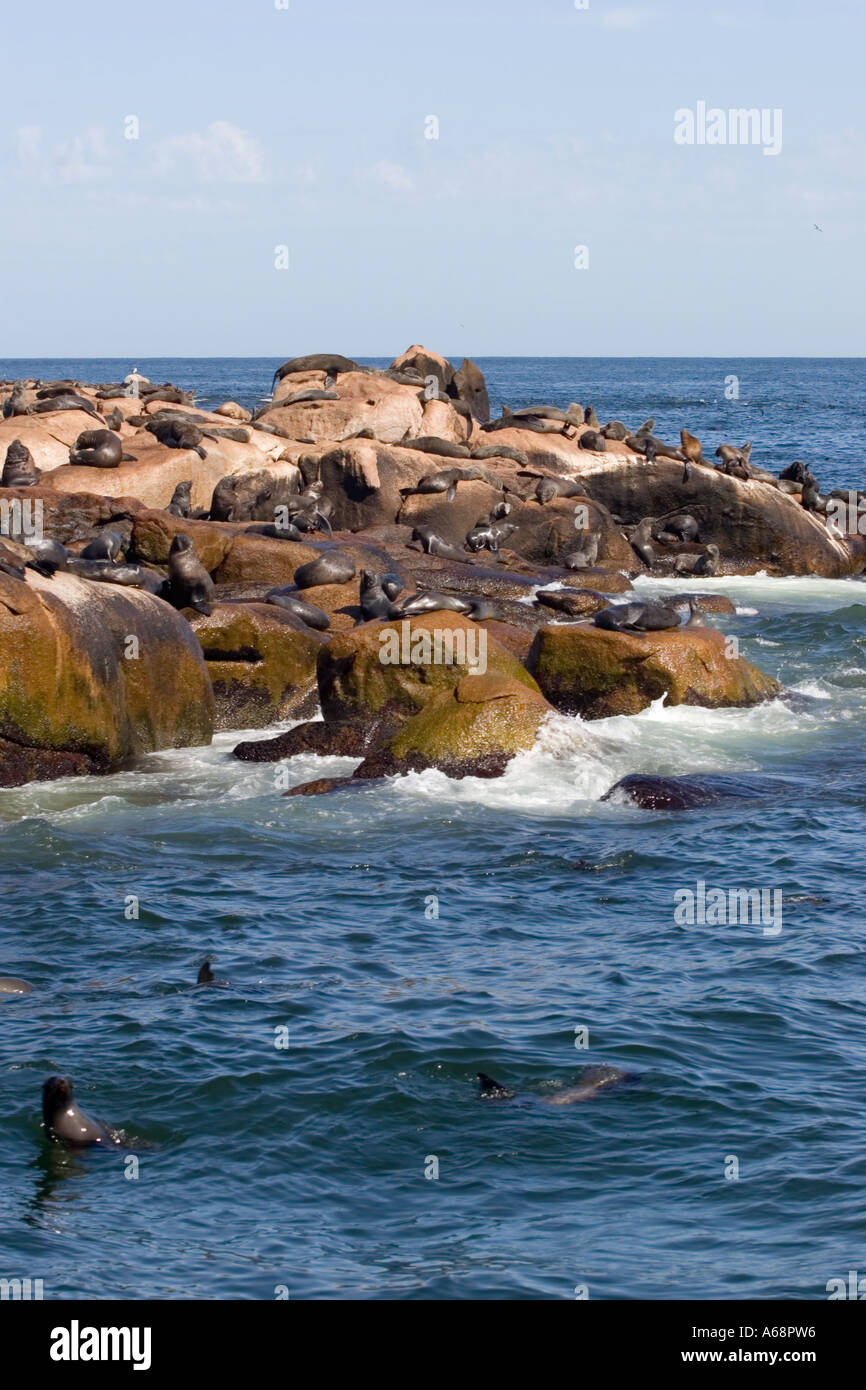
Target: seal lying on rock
{"type": "Point", "coordinates": [177, 434]}
{"type": "Point", "coordinates": [65, 402]}
{"type": "Point", "coordinates": [48, 556]}
{"type": "Point", "coordinates": [592, 1080]}
{"type": "Point", "coordinates": [433, 544]}
{"type": "Point", "coordinates": [97, 449]}
{"type": "Point", "coordinates": [66, 1124]}
{"type": "Point", "coordinates": [637, 617]}
{"type": "Point", "coordinates": [286, 597]}
{"type": "Point", "coordinates": [19, 470]}
{"type": "Point", "coordinates": [333, 567]}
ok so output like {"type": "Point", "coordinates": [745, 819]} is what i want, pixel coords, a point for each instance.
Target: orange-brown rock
{"type": "Point", "coordinates": [593, 672]}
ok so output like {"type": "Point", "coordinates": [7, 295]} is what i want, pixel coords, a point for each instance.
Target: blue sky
{"type": "Point", "coordinates": [305, 127]}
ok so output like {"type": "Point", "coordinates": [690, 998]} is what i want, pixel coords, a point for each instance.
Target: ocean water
{"type": "Point", "coordinates": [303, 1167]}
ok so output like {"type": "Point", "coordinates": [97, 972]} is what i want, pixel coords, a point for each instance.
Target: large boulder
{"type": "Point", "coordinates": [95, 673]}
{"type": "Point", "coordinates": [754, 525]}
{"type": "Point", "coordinates": [262, 662]}
{"type": "Point", "coordinates": [356, 683]}
{"type": "Point", "coordinates": [594, 672]}
{"type": "Point", "coordinates": [363, 402]}
{"type": "Point", "coordinates": [473, 730]}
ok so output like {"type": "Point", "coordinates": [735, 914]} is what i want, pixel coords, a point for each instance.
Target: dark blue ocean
{"type": "Point", "coordinates": [732, 1166]}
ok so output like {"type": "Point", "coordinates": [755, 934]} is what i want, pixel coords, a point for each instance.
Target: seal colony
{"type": "Point", "coordinates": [257, 564]}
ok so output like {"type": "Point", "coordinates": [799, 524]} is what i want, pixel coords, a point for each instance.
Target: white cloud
{"type": "Point", "coordinates": [222, 154]}
{"type": "Point", "coordinates": [80, 159]}
{"type": "Point", "coordinates": [392, 175]}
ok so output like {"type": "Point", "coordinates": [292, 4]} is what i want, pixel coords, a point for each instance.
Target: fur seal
{"type": "Point", "coordinates": [695, 618]}
{"type": "Point", "coordinates": [107, 572]}
{"type": "Point", "coordinates": [615, 429]}
{"type": "Point", "coordinates": [12, 988]}
{"type": "Point", "coordinates": [65, 1123]}
{"type": "Point", "coordinates": [19, 470]}
{"type": "Point", "coordinates": [181, 500]}
{"type": "Point", "coordinates": [189, 584]}
{"type": "Point", "coordinates": [375, 602]}
{"type": "Point", "coordinates": [48, 556]}
{"type": "Point", "coordinates": [329, 362]}
{"type": "Point", "coordinates": [298, 397]}
{"type": "Point", "coordinates": [705, 564]}
{"type": "Point", "coordinates": [590, 418]}
{"type": "Point", "coordinates": [430, 444]}
{"type": "Point", "coordinates": [16, 402]}
{"type": "Point", "coordinates": [794, 473]}
{"type": "Point", "coordinates": [433, 544]}
{"type": "Point", "coordinates": [106, 546]}
{"type": "Point", "coordinates": [548, 488]}
{"type": "Point", "coordinates": [637, 617]}
{"type": "Point", "coordinates": [176, 434]}
{"type": "Point", "coordinates": [97, 449]}
{"type": "Point", "coordinates": [332, 567]}
{"type": "Point", "coordinates": [585, 556]}
{"type": "Point", "coordinates": [592, 1080]}
{"type": "Point", "coordinates": [592, 439]}
{"type": "Point", "coordinates": [286, 596]}
{"type": "Point", "coordinates": [640, 541]}
{"type": "Point", "coordinates": [504, 451]}
{"type": "Point", "coordinates": [490, 536]}
{"type": "Point", "coordinates": [65, 402]}
{"type": "Point", "coordinates": [430, 601]}
{"type": "Point", "coordinates": [679, 527]}
{"type": "Point", "coordinates": [114, 420]}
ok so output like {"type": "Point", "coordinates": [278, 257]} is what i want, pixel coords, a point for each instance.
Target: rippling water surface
{"type": "Point", "coordinates": [305, 1167]}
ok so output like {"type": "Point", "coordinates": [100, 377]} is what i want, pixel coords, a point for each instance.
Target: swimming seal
{"type": "Point", "coordinates": [96, 449]}
{"type": "Point", "coordinates": [189, 584]}
{"type": "Point", "coordinates": [333, 567]}
{"type": "Point", "coordinates": [12, 988]}
{"type": "Point", "coordinates": [66, 1124]}
{"type": "Point", "coordinates": [592, 1080]}
{"type": "Point", "coordinates": [19, 470]}
{"type": "Point", "coordinates": [286, 597]}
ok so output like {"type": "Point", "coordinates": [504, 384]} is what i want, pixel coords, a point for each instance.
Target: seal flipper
{"type": "Point", "coordinates": [493, 1090]}
{"type": "Point", "coordinates": [205, 975]}
{"type": "Point", "coordinates": [451, 493]}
